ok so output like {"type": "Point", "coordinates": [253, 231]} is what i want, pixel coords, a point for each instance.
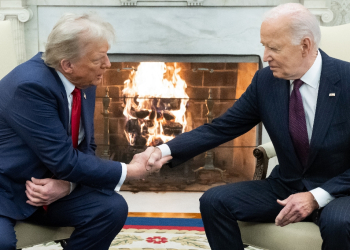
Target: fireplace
{"type": "Point", "coordinates": [203, 87]}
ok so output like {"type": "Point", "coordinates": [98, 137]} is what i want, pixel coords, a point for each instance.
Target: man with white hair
{"type": "Point", "coordinates": [49, 173]}
{"type": "Point", "coordinates": [303, 100]}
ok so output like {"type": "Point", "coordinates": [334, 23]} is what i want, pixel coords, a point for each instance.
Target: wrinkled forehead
{"type": "Point", "coordinates": [276, 29]}
{"type": "Point", "coordinates": [281, 25]}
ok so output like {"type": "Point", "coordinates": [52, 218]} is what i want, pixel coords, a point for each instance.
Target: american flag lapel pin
{"type": "Point", "coordinates": [84, 96]}
{"type": "Point", "coordinates": [331, 94]}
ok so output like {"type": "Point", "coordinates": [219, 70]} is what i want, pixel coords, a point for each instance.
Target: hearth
{"type": "Point", "coordinates": [148, 100]}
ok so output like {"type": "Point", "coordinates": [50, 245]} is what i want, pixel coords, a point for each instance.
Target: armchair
{"type": "Point", "coordinates": [27, 234]}
{"type": "Point", "coordinates": [298, 236]}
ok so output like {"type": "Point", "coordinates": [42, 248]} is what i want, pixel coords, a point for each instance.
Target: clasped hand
{"type": "Point", "coordinates": [42, 192]}
{"type": "Point", "coordinates": [147, 162]}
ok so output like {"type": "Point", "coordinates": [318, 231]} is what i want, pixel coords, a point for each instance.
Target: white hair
{"type": "Point", "coordinates": [302, 22]}
{"type": "Point", "coordinates": [71, 34]}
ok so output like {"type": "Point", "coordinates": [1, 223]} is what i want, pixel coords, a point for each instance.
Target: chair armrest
{"type": "Point", "coordinates": [262, 154]}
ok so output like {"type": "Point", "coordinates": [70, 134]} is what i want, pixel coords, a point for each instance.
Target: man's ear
{"type": "Point", "coordinates": [306, 45]}
{"type": "Point", "coordinates": [66, 66]}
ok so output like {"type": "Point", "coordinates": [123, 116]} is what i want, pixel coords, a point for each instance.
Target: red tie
{"type": "Point", "coordinates": [75, 117]}
{"type": "Point", "coordinates": [75, 121]}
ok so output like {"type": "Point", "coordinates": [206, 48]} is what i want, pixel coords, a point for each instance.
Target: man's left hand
{"type": "Point", "coordinates": [296, 208]}
{"type": "Point", "coordinates": [45, 191]}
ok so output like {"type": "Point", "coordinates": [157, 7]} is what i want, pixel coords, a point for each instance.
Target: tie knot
{"type": "Point", "coordinates": [297, 83]}
{"type": "Point", "coordinates": [75, 91]}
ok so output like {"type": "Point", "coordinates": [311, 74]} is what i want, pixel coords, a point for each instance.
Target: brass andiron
{"type": "Point", "coordinates": [106, 101]}
{"type": "Point", "coordinates": [209, 155]}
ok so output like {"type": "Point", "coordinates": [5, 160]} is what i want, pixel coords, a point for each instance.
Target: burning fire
{"type": "Point", "coordinates": [155, 104]}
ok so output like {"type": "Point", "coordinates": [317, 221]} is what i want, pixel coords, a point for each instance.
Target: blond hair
{"type": "Point", "coordinates": [71, 34]}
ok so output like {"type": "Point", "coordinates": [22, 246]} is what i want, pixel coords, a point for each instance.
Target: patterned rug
{"type": "Point", "coordinates": [140, 233]}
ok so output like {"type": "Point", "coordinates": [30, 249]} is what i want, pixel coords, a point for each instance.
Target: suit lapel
{"type": "Point", "coordinates": [63, 108]}
{"type": "Point", "coordinates": [325, 105]}
{"type": "Point", "coordinates": [281, 96]}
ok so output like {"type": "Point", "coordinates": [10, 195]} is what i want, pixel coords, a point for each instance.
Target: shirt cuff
{"type": "Point", "coordinates": [321, 196]}
{"type": "Point", "coordinates": [122, 178]}
{"type": "Point", "coordinates": [164, 148]}
{"type": "Point", "coordinates": [72, 186]}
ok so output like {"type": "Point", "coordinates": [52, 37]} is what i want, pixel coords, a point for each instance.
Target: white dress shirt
{"type": "Point", "coordinates": [309, 92]}
{"type": "Point", "coordinates": [69, 87]}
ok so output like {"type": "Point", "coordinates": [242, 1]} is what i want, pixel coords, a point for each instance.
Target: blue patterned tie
{"type": "Point", "coordinates": [297, 124]}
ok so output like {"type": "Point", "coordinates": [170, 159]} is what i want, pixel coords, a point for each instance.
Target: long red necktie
{"type": "Point", "coordinates": [75, 116]}
{"type": "Point", "coordinates": [75, 120]}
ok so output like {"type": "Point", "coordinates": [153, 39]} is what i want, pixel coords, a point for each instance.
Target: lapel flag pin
{"type": "Point", "coordinates": [84, 96]}
{"type": "Point", "coordinates": [331, 94]}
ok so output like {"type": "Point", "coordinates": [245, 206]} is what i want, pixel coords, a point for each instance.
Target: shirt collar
{"type": "Point", "coordinates": [68, 86]}
{"type": "Point", "coordinates": [313, 75]}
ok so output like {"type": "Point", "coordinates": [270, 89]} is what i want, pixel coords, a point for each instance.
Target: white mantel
{"type": "Point", "coordinates": [168, 26]}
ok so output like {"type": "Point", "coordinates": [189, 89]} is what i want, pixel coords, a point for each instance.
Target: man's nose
{"type": "Point", "coordinates": [106, 63]}
{"type": "Point", "coordinates": [267, 56]}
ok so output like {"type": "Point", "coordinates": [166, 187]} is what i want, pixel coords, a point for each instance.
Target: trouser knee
{"type": "Point", "coordinates": [117, 210]}
{"type": "Point", "coordinates": [212, 199]}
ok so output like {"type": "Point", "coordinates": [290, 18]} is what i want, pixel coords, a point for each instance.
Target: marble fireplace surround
{"type": "Point", "coordinates": [172, 27]}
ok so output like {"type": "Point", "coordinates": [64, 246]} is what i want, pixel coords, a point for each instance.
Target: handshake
{"type": "Point", "coordinates": [147, 162]}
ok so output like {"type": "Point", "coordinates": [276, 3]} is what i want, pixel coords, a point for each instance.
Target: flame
{"type": "Point", "coordinates": [155, 103]}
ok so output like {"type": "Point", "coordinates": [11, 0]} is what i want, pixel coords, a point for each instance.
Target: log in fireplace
{"type": "Point", "coordinates": [152, 99]}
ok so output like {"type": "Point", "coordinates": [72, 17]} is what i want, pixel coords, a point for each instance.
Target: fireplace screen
{"type": "Point", "coordinates": [145, 103]}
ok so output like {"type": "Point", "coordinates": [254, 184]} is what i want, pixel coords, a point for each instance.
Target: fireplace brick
{"type": "Point", "coordinates": [232, 66]}
{"type": "Point", "coordinates": [117, 109]}
{"type": "Point", "coordinates": [116, 65]}
{"type": "Point", "coordinates": [118, 139]}
{"type": "Point", "coordinates": [113, 77]}
{"type": "Point", "coordinates": [202, 93]}
{"type": "Point", "coordinates": [192, 78]}
{"type": "Point", "coordinates": [222, 78]}
{"type": "Point", "coordinates": [227, 93]}
{"type": "Point", "coordinates": [114, 126]}
{"type": "Point", "coordinates": [195, 108]}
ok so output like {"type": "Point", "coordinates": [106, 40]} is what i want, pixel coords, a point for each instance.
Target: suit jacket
{"type": "Point", "coordinates": [34, 137]}
{"type": "Point", "coordinates": [267, 100]}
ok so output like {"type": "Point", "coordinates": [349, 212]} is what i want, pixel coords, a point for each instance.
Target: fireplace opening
{"type": "Point", "coordinates": [148, 100]}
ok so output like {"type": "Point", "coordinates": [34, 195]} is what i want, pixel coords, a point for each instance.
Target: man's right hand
{"type": "Point", "coordinates": [156, 160]}
{"type": "Point", "coordinates": [138, 168]}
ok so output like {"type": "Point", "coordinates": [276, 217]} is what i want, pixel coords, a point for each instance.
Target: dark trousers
{"type": "Point", "coordinates": [97, 219]}
{"type": "Point", "coordinates": [255, 201]}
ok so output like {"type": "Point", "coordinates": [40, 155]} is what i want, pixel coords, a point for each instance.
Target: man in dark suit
{"type": "Point", "coordinates": [303, 100]}
{"type": "Point", "coordinates": [47, 147]}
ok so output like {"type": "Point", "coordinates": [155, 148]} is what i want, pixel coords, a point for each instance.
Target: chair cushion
{"type": "Point", "coordinates": [298, 236]}
{"type": "Point", "coordinates": [30, 234]}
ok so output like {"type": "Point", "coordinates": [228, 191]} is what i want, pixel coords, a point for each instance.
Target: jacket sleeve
{"type": "Point", "coordinates": [33, 114]}
{"type": "Point", "coordinates": [237, 120]}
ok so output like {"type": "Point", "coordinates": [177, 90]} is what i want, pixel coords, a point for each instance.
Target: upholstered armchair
{"type": "Point", "coordinates": [303, 235]}
{"type": "Point", "coordinates": [27, 234]}
{"type": "Point", "coordinates": [298, 236]}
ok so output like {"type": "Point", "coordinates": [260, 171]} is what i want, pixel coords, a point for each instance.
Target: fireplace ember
{"type": "Point", "coordinates": [155, 104]}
